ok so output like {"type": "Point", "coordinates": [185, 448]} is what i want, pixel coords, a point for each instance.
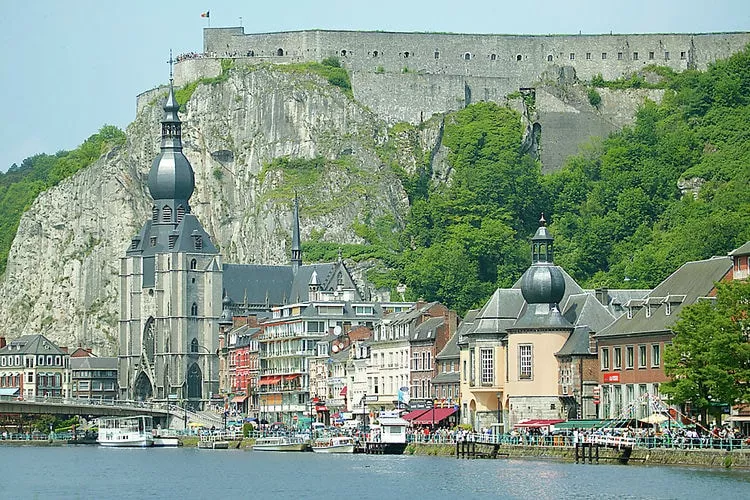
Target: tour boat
{"type": "Point", "coordinates": [126, 431]}
{"type": "Point", "coordinates": [334, 444]}
{"type": "Point", "coordinates": [280, 443]}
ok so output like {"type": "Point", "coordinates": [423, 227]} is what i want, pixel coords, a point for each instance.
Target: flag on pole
{"type": "Point", "coordinates": [206, 14]}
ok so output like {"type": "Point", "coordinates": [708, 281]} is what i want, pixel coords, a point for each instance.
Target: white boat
{"type": "Point", "coordinates": [126, 431]}
{"type": "Point", "coordinates": [334, 444]}
{"type": "Point", "coordinates": [280, 443]}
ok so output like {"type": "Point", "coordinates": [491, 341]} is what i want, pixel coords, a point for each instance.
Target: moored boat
{"type": "Point", "coordinates": [280, 443]}
{"type": "Point", "coordinates": [134, 431]}
{"type": "Point", "coordinates": [334, 444]}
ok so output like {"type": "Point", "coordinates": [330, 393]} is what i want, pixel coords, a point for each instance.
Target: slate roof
{"type": "Point", "coordinates": [577, 343]}
{"type": "Point", "coordinates": [427, 329]}
{"type": "Point", "coordinates": [32, 344]}
{"type": "Point", "coordinates": [585, 309]}
{"type": "Point", "coordinates": [93, 363]}
{"type": "Point", "coordinates": [693, 280]}
{"type": "Point", "coordinates": [499, 312]}
{"type": "Point", "coordinates": [743, 250]}
{"type": "Point", "coordinates": [446, 378]}
{"type": "Point", "coordinates": [451, 349]}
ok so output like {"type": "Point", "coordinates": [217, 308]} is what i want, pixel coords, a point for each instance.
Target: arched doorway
{"type": "Point", "coordinates": [194, 382]}
{"type": "Point", "coordinates": [142, 388]}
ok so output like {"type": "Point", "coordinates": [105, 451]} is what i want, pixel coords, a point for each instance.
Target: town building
{"type": "Point", "coordinates": [446, 383]}
{"type": "Point", "coordinates": [631, 349]}
{"type": "Point", "coordinates": [93, 377]}
{"type": "Point", "coordinates": [32, 366]}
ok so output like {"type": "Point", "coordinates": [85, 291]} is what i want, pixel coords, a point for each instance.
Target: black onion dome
{"type": "Point", "coordinates": [543, 284]}
{"type": "Point", "coordinates": [171, 176]}
{"type": "Point", "coordinates": [226, 313]}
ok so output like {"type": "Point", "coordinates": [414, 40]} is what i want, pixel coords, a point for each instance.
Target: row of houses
{"type": "Point", "coordinates": [542, 349]}
{"type": "Point", "coordinates": [32, 367]}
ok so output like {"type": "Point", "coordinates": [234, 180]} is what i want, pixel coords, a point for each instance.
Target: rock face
{"type": "Point", "coordinates": [62, 274]}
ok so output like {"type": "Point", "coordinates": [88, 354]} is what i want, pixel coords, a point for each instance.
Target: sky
{"type": "Point", "coordinates": [68, 68]}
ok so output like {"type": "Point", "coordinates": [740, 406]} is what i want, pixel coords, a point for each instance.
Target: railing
{"type": "Point", "coordinates": [88, 402]}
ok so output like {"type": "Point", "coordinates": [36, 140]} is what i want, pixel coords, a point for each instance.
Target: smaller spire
{"type": "Point", "coordinates": [542, 221]}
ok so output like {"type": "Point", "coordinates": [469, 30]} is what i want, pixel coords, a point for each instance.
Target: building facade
{"type": "Point", "coordinates": [32, 366]}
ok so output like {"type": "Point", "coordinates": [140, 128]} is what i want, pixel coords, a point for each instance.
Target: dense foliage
{"type": "Point", "coordinates": [19, 186]}
{"type": "Point", "coordinates": [709, 359]}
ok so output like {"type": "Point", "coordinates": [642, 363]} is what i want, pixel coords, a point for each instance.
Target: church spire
{"type": "Point", "coordinates": [296, 247]}
{"type": "Point", "coordinates": [171, 180]}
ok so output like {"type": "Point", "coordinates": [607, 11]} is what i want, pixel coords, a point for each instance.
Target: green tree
{"type": "Point", "coordinates": [709, 359]}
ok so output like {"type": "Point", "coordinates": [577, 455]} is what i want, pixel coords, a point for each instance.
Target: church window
{"type": "Point", "coordinates": [280, 52]}
{"type": "Point", "coordinates": [525, 361]}
{"type": "Point", "coordinates": [194, 345]}
{"type": "Point", "coordinates": [166, 214]}
{"type": "Point", "coordinates": [549, 58]}
{"type": "Point", "coordinates": [467, 56]}
{"type": "Point", "coordinates": [194, 309]}
{"type": "Point", "coordinates": [519, 57]}
{"type": "Point", "coordinates": [180, 213]}
{"type": "Point", "coordinates": [193, 265]}
{"type": "Point", "coordinates": [149, 340]}
{"type": "Point", "coordinates": [155, 214]}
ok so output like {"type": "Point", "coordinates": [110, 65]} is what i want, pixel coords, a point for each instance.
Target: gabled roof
{"type": "Point", "coordinates": [93, 363]}
{"type": "Point", "coordinates": [577, 343]}
{"type": "Point", "coordinates": [499, 312]}
{"type": "Point", "coordinates": [693, 280]}
{"type": "Point", "coordinates": [743, 250]}
{"type": "Point", "coordinates": [446, 378]}
{"type": "Point", "coordinates": [585, 309]}
{"type": "Point", "coordinates": [427, 329]}
{"type": "Point", "coordinates": [32, 344]}
{"type": "Point", "coordinates": [451, 350]}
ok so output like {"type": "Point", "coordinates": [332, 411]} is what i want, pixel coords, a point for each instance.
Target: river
{"type": "Point", "coordinates": [93, 472]}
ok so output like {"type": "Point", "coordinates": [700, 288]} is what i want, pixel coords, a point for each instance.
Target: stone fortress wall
{"type": "Point", "coordinates": [411, 76]}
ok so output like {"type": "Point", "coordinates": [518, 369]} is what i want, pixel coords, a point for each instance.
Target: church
{"type": "Point", "coordinates": [173, 284]}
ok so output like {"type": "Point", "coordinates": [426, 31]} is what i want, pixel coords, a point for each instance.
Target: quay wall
{"type": "Point", "coordinates": [654, 456]}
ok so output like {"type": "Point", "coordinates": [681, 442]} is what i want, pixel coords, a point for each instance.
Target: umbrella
{"type": "Point", "coordinates": [655, 418]}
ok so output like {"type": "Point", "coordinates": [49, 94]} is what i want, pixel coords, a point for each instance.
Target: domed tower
{"type": "Point", "coordinates": [542, 285]}
{"type": "Point", "coordinates": [170, 287]}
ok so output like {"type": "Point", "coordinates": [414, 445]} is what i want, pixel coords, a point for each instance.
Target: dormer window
{"type": "Point", "coordinates": [155, 214]}
{"type": "Point", "coordinates": [153, 241]}
{"type": "Point", "coordinates": [180, 213]}
{"type": "Point", "coordinates": [166, 214]}
{"type": "Point", "coordinates": [172, 240]}
{"type": "Point", "coordinates": [198, 242]}
{"type": "Point", "coordinates": [668, 308]}
{"type": "Point", "coordinates": [134, 244]}
{"type": "Point", "coordinates": [630, 313]}
{"type": "Point", "coordinates": [648, 310]}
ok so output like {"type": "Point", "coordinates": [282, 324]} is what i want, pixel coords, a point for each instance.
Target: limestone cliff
{"type": "Point", "coordinates": [62, 274]}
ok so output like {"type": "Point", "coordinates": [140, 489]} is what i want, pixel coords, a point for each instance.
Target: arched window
{"type": "Point", "coordinates": [166, 214]}
{"type": "Point", "coordinates": [194, 382]}
{"type": "Point", "coordinates": [149, 340]}
{"type": "Point", "coordinates": [194, 345]}
{"type": "Point", "coordinates": [194, 309]}
{"type": "Point", "coordinates": [467, 56]}
{"type": "Point", "coordinates": [280, 52]}
{"type": "Point", "coordinates": [193, 265]}
{"type": "Point", "coordinates": [549, 58]}
{"type": "Point", "coordinates": [493, 57]}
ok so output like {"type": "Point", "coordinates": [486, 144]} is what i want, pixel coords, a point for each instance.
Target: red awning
{"type": "Point", "coordinates": [269, 380]}
{"type": "Point", "coordinates": [287, 378]}
{"type": "Point", "coordinates": [343, 391]}
{"type": "Point", "coordinates": [413, 414]}
{"type": "Point", "coordinates": [239, 399]}
{"type": "Point", "coordinates": [434, 415]}
{"type": "Point", "coordinates": [536, 423]}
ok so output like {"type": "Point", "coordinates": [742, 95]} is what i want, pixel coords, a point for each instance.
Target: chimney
{"type": "Point", "coordinates": [602, 295]}
{"type": "Point", "coordinates": [2, 342]}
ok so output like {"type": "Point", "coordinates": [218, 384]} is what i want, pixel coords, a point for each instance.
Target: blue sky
{"type": "Point", "coordinates": [70, 67]}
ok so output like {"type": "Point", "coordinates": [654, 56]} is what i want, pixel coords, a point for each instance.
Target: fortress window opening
{"type": "Point", "coordinates": [374, 53]}
{"type": "Point", "coordinates": [588, 56]}
{"type": "Point", "coordinates": [280, 52]}
{"type": "Point", "coordinates": [467, 56]}
{"type": "Point", "coordinates": [619, 56]}
{"type": "Point", "coordinates": [604, 55]}
{"type": "Point", "coordinates": [406, 55]}
{"type": "Point", "coordinates": [343, 53]}
{"type": "Point", "coordinates": [518, 57]}
{"type": "Point", "coordinates": [651, 56]}
{"type": "Point", "coordinates": [572, 56]}
{"type": "Point", "coordinates": [666, 55]}
{"type": "Point", "coordinates": [683, 55]}
{"type": "Point", "coordinates": [549, 58]}
{"type": "Point", "coordinates": [437, 55]}
{"type": "Point", "coordinates": [493, 57]}
{"type": "Point", "coordinates": [635, 56]}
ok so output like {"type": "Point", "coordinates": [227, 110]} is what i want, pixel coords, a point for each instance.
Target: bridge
{"type": "Point", "coordinates": [169, 415]}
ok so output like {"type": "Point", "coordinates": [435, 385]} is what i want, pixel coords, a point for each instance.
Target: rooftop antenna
{"type": "Point", "coordinates": [171, 62]}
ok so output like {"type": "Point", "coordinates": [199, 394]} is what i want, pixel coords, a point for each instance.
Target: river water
{"type": "Point", "coordinates": [93, 472]}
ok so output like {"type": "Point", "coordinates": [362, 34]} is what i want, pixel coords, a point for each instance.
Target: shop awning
{"type": "Point", "coordinates": [434, 415]}
{"type": "Point", "coordinates": [582, 424]}
{"type": "Point", "coordinates": [269, 380]}
{"type": "Point", "coordinates": [413, 414]}
{"type": "Point", "coordinates": [538, 423]}
{"type": "Point", "coordinates": [239, 399]}
{"type": "Point", "coordinates": [287, 378]}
